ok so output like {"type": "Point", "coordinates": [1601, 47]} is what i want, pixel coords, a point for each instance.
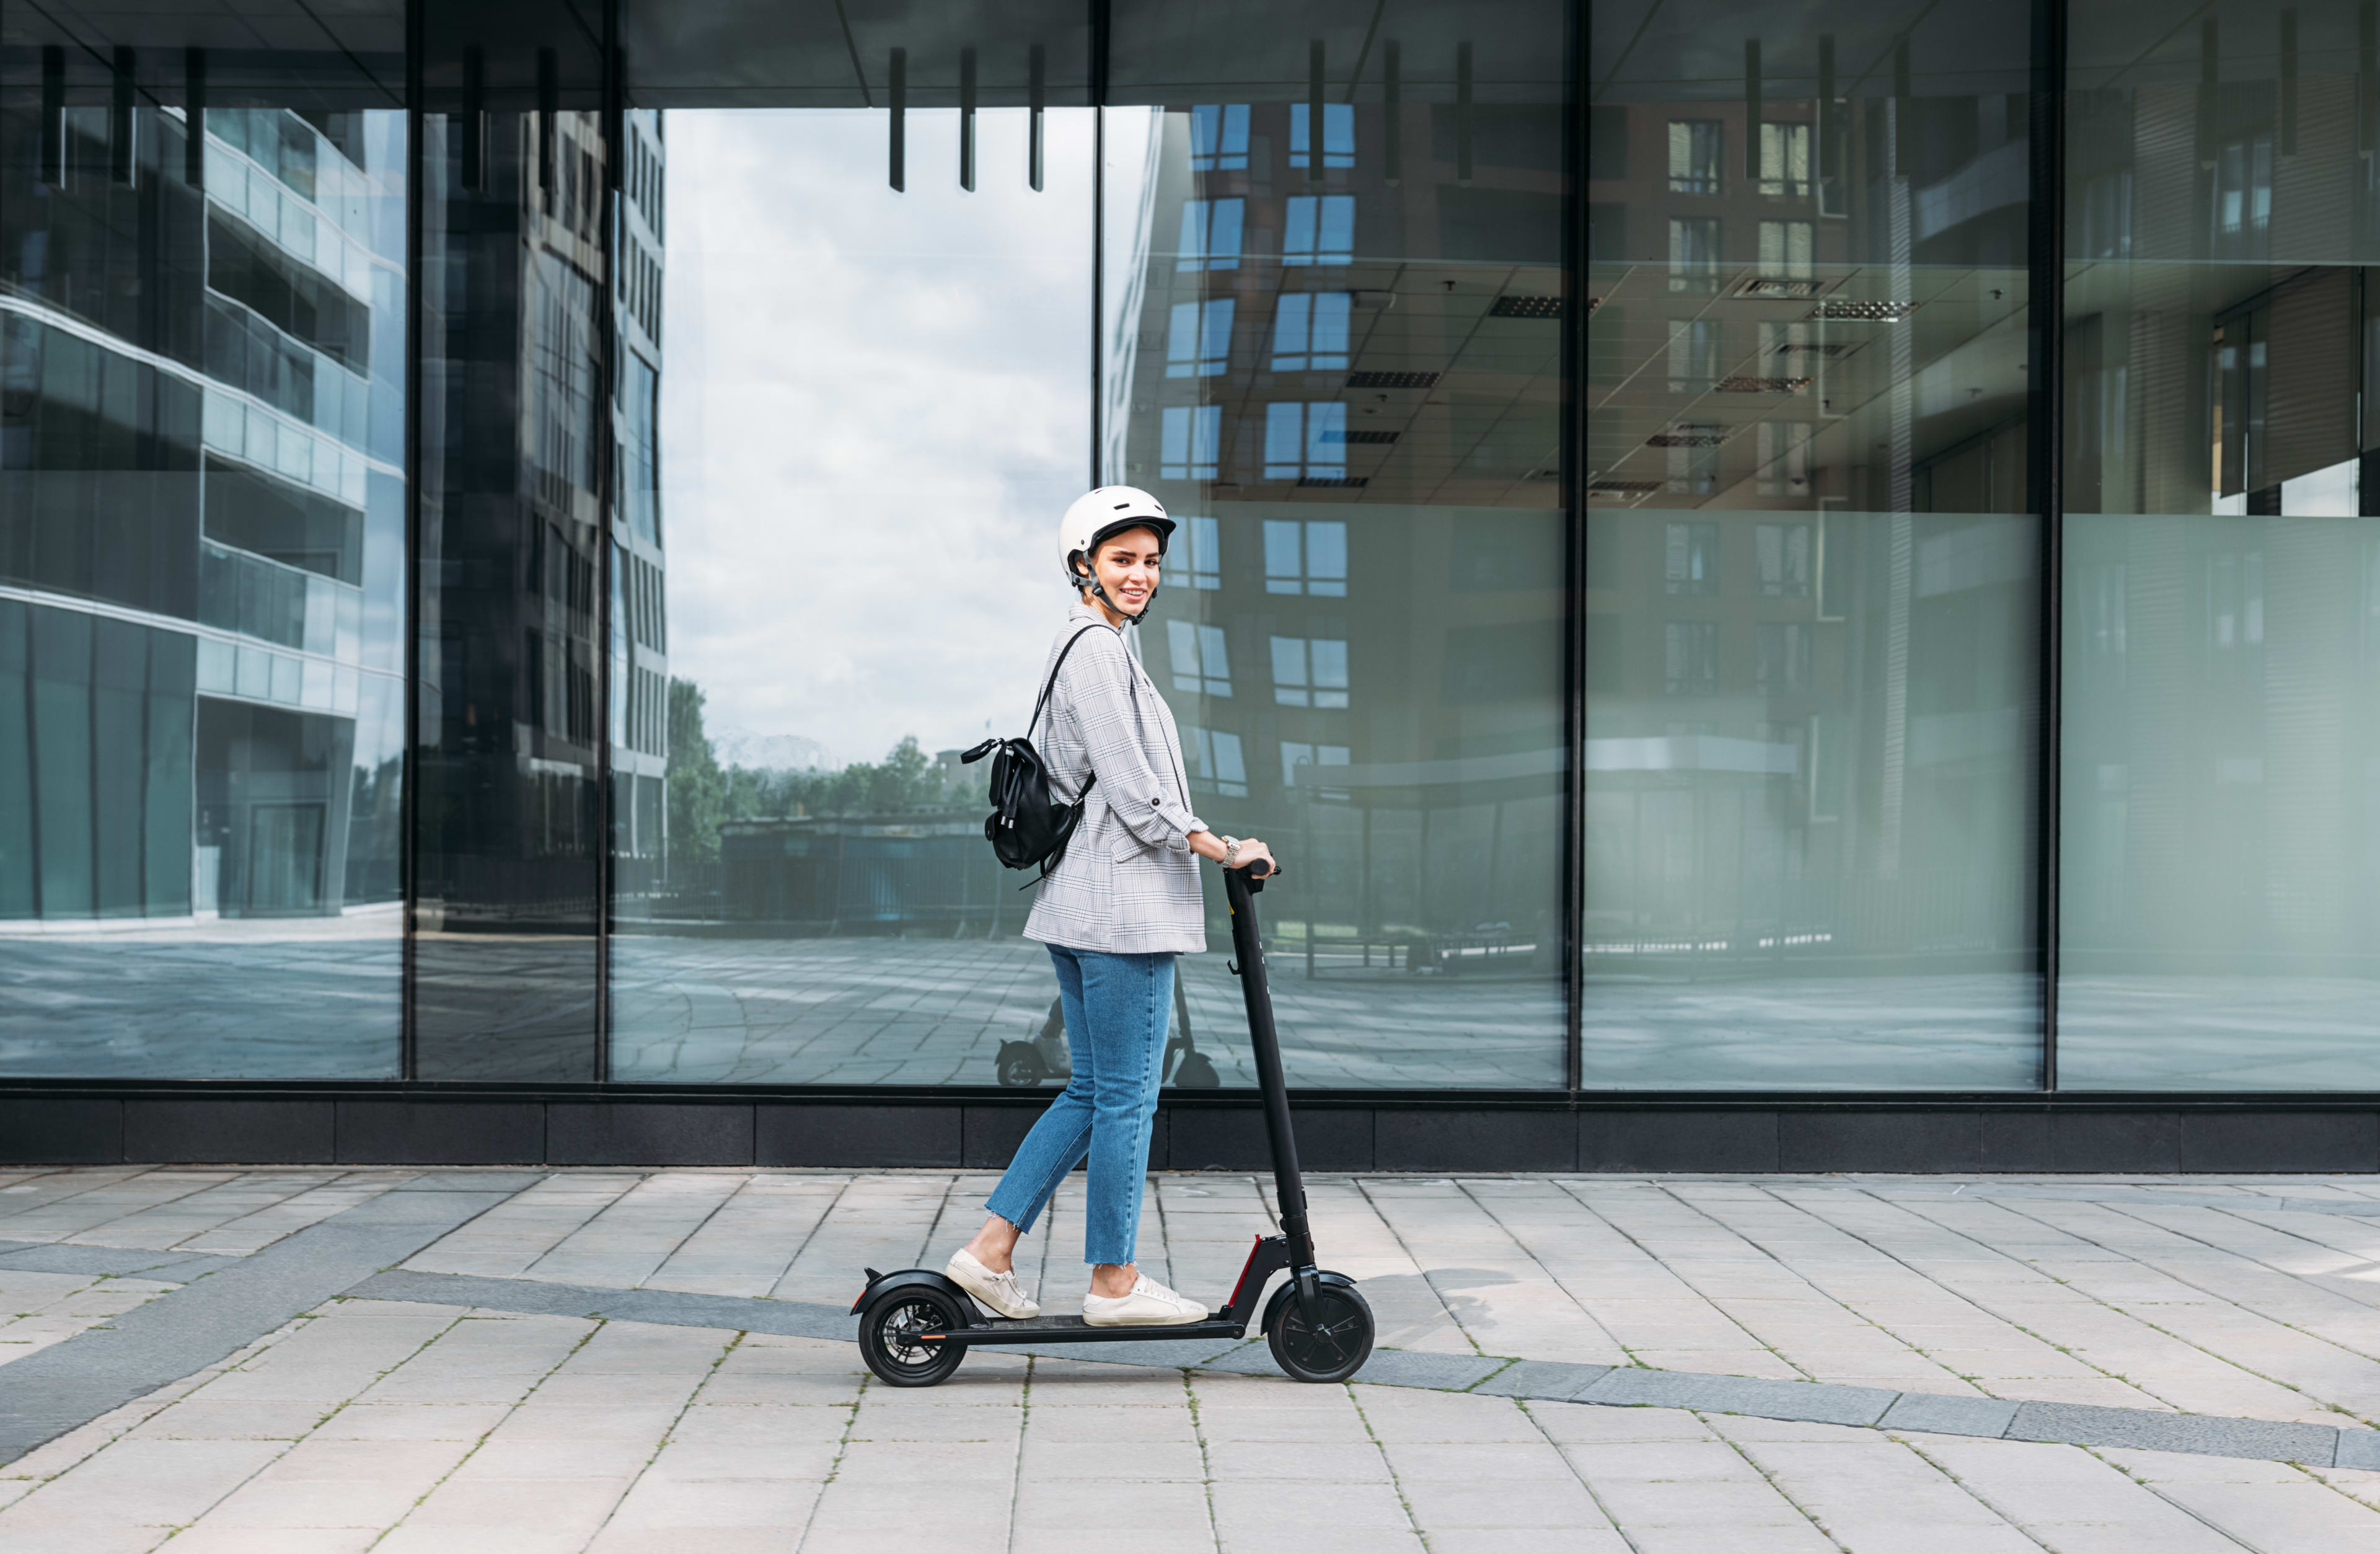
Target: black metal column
{"type": "Point", "coordinates": [2045, 455]}
{"type": "Point", "coordinates": [407, 799]}
{"type": "Point", "coordinates": [1576, 304]}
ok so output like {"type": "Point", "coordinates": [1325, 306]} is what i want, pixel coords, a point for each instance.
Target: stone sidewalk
{"type": "Point", "coordinates": [271, 1361]}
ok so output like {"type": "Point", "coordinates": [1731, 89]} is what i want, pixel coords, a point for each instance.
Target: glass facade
{"type": "Point", "coordinates": [1729, 551]}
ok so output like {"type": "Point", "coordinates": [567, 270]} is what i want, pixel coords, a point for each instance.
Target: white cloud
{"type": "Point", "coordinates": [874, 407]}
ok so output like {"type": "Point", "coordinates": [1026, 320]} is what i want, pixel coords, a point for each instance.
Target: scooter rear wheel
{"type": "Point", "coordinates": [889, 1340]}
{"type": "Point", "coordinates": [1334, 1345]}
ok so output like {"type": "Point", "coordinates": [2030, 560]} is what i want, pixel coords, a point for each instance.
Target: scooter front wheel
{"type": "Point", "coordinates": [889, 1340]}
{"type": "Point", "coordinates": [1330, 1344]}
{"type": "Point", "coordinates": [1018, 1066]}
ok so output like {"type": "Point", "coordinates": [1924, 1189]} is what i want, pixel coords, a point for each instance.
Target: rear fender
{"type": "Point", "coordinates": [882, 1283]}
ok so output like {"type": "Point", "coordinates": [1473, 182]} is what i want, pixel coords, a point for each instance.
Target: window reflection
{"type": "Point", "coordinates": [1812, 579]}
{"type": "Point", "coordinates": [801, 892]}
{"type": "Point", "coordinates": [1373, 683]}
{"type": "Point", "coordinates": [202, 556]}
{"type": "Point", "coordinates": [2219, 927]}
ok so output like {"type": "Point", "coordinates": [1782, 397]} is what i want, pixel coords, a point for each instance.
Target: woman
{"type": "Point", "coordinates": [1117, 909]}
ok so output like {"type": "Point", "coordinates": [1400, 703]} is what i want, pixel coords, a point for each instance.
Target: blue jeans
{"type": "Point", "coordinates": [1115, 1008]}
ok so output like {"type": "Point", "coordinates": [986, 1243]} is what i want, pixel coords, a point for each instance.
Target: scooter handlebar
{"type": "Point", "coordinates": [1247, 880]}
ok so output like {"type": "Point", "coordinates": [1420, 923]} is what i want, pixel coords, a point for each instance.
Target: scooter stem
{"type": "Point", "coordinates": [1240, 886]}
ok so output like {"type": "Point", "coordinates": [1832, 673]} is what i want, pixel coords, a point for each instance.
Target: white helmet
{"type": "Point", "coordinates": [1097, 515]}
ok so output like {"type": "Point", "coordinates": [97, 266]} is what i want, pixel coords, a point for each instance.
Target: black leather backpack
{"type": "Point", "coordinates": [1025, 827]}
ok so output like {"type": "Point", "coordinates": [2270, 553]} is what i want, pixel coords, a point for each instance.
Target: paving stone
{"type": "Point", "coordinates": [1445, 1510]}
{"type": "Point", "coordinates": [2359, 1448]}
{"type": "Point", "coordinates": [1407, 1367]}
{"type": "Point", "coordinates": [210, 1537]}
{"type": "Point", "coordinates": [1729, 1394]}
{"type": "Point", "coordinates": [179, 1267]}
{"type": "Point", "coordinates": [1549, 1380]}
{"type": "Point", "coordinates": [2083, 1425]}
{"type": "Point", "coordinates": [482, 1181]}
{"type": "Point", "coordinates": [668, 1307]}
{"type": "Point", "coordinates": [46, 1394]}
{"type": "Point", "coordinates": [1252, 1359]}
{"type": "Point", "coordinates": [1939, 1415]}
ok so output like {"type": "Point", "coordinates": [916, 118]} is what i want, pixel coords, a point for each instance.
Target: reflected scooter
{"type": "Point", "coordinates": [916, 1326]}
{"type": "Point", "coordinates": [1023, 1064]}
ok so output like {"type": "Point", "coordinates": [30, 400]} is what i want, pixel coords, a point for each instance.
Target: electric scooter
{"type": "Point", "coordinates": [916, 1326]}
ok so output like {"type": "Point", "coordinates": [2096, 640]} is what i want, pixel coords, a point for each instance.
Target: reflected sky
{"type": "Point", "coordinates": [874, 407]}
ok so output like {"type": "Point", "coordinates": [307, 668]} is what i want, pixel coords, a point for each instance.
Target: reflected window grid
{"type": "Point", "coordinates": [1338, 135]}
{"type": "Point", "coordinates": [1310, 331]}
{"type": "Point", "coordinates": [1202, 661]}
{"type": "Point", "coordinates": [1318, 229]}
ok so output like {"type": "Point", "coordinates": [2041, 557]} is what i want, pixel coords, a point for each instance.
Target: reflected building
{"type": "Point", "coordinates": [203, 505]}
{"type": "Point", "coordinates": [2220, 574]}
{"type": "Point", "coordinates": [1336, 360]}
{"type": "Point", "coordinates": [203, 529]}
{"type": "Point", "coordinates": [1812, 575]}
{"type": "Point", "coordinates": [639, 616]}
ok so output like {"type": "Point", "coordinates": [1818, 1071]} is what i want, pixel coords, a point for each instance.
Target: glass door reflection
{"type": "Point", "coordinates": [852, 415]}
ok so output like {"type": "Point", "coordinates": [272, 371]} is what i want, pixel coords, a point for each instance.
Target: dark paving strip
{"type": "Point", "coordinates": [54, 1389]}
{"type": "Point", "coordinates": [58, 1257]}
{"type": "Point", "coordinates": [472, 1180]}
{"type": "Point", "coordinates": [538, 1298]}
{"type": "Point", "coordinates": [1551, 1380]}
{"type": "Point", "coordinates": [1938, 1413]}
{"type": "Point", "coordinates": [2125, 1196]}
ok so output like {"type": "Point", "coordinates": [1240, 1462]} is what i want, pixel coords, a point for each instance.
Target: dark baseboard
{"type": "Point", "coordinates": [187, 1124]}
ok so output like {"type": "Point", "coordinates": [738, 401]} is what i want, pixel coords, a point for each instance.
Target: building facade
{"type": "Point", "coordinates": [1798, 590]}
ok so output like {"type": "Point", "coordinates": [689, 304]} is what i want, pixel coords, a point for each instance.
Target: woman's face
{"type": "Point", "coordinates": [1126, 564]}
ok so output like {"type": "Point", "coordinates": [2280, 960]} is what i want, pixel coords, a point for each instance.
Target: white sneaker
{"type": "Point", "coordinates": [1150, 1305]}
{"type": "Point", "coordinates": [998, 1290]}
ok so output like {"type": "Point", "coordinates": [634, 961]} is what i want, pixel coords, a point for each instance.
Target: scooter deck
{"type": "Point", "coordinates": [1073, 1329]}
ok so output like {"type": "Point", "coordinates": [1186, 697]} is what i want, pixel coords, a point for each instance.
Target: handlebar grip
{"type": "Point", "coordinates": [1259, 867]}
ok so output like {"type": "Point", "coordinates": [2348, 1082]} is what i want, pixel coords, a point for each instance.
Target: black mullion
{"type": "Point", "coordinates": [2044, 480]}
{"type": "Point", "coordinates": [1099, 39]}
{"type": "Point", "coordinates": [1573, 423]}
{"type": "Point", "coordinates": [407, 801]}
{"type": "Point", "coordinates": [614, 136]}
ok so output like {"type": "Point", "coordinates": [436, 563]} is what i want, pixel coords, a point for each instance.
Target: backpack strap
{"type": "Point", "coordinates": [1052, 683]}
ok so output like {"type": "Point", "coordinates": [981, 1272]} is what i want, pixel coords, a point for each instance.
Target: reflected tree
{"type": "Point", "coordinates": [703, 796]}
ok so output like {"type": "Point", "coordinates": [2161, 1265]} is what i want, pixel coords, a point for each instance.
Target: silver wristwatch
{"type": "Point", "coordinates": [1230, 852]}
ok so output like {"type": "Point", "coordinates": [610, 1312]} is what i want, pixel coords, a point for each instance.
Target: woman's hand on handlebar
{"type": "Point", "coordinates": [1207, 844]}
{"type": "Point", "coordinates": [1251, 850]}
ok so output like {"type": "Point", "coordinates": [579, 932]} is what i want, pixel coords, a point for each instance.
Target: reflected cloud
{"type": "Point", "coordinates": [849, 368]}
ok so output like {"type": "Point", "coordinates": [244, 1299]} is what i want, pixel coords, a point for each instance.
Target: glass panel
{"type": "Point", "coordinates": [201, 525]}
{"type": "Point", "coordinates": [849, 576]}
{"type": "Point", "coordinates": [512, 541]}
{"type": "Point", "coordinates": [1813, 584]}
{"type": "Point", "coordinates": [2220, 916]}
{"type": "Point", "coordinates": [1373, 684]}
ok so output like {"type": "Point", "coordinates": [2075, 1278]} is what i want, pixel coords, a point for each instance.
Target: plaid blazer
{"type": "Point", "coordinates": [1128, 884]}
